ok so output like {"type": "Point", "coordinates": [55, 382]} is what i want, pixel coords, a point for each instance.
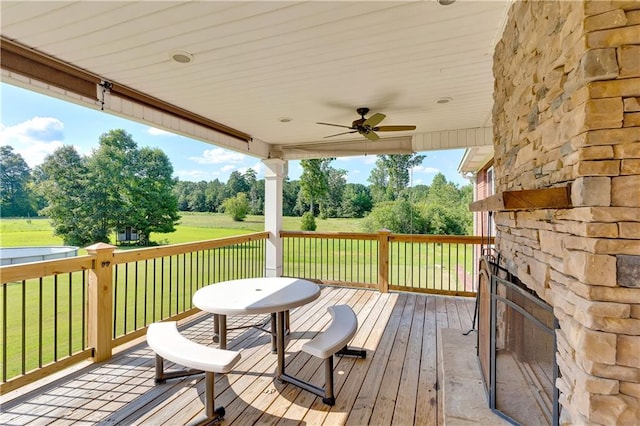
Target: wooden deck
{"type": "Point", "coordinates": [396, 384]}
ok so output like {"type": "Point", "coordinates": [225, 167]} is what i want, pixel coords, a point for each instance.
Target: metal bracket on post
{"type": "Point", "coordinates": [106, 88]}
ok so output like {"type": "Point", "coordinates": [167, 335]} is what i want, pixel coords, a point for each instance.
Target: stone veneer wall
{"type": "Point", "coordinates": [567, 110]}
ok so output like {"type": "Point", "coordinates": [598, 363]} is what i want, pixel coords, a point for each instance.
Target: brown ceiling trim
{"type": "Point", "coordinates": [28, 62]}
{"type": "Point", "coordinates": [22, 60]}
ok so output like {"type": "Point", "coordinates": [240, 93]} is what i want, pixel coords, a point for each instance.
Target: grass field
{"type": "Point", "coordinates": [192, 227]}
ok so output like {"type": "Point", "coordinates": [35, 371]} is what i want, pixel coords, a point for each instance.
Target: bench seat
{"type": "Point", "coordinates": [167, 342]}
{"type": "Point", "coordinates": [332, 341]}
{"type": "Point", "coordinates": [343, 327]}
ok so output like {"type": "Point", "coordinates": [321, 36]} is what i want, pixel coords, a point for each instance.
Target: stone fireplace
{"type": "Point", "coordinates": [567, 115]}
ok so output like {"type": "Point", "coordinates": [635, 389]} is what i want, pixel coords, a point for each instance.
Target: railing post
{"type": "Point", "coordinates": [383, 260]}
{"type": "Point", "coordinates": [100, 301]}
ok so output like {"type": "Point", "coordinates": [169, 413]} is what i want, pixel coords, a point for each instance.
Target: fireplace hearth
{"type": "Point", "coordinates": [517, 349]}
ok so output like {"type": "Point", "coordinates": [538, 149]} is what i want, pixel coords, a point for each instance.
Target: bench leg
{"type": "Point", "coordinates": [325, 393]}
{"type": "Point", "coordinates": [212, 413]}
{"type": "Point", "coordinates": [352, 352]}
{"type": "Point", "coordinates": [328, 398]}
{"type": "Point", "coordinates": [162, 376]}
{"type": "Point", "coordinates": [216, 328]}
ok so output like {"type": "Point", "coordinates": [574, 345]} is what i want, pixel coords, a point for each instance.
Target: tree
{"type": "Point", "coordinates": [392, 174]}
{"type": "Point", "coordinates": [112, 168]}
{"type": "Point", "coordinates": [256, 192]}
{"type": "Point", "coordinates": [290, 190]}
{"type": "Point", "coordinates": [197, 198]}
{"type": "Point", "coordinates": [181, 191]}
{"type": "Point", "coordinates": [152, 205]}
{"type": "Point", "coordinates": [15, 195]}
{"type": "Point", "coordinates": [213, 194]}
{"type": "Point", "coordinates": [63, 183]}
{"type": "Point", "coordinates": [445, 208]}
{"type": "Point", "coordinates": [336, 181]}
{"type": "Point", "coordinates": [308, 222]}
{"type": "Point", "coordinates": [118, 185]}
{"type": "Point", "coordinates": [314, 181]}
{"type": "Point", "coordinates": [235, 184]}
{"type": "Point", "coordinates": [236, 207]}
{"type": "Point", "coordinates": [356, 200]}
{"type": "Point", "coordinates": [399, 216]}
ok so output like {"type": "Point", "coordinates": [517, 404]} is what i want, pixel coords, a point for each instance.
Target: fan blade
{"type": "Point", "coordinates": [393, 128]}
{"type": "Point", "coordinates": [336, 125]}
{"type": "Point", "coordinates": [371, 136]}
{"type": "Point", "coordinates": [374, 119]}
{"type": "Point", "coordinates": [338, 134]}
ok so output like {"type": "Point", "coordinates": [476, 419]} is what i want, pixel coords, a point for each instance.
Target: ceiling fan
{"type": "Point", "coordinates": [368, 126]}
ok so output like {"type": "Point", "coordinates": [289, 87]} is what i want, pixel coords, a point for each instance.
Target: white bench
{"type": "Point", "coordinates": [333, 340]}
{"type": "Point", "coordinates": [167, 342]}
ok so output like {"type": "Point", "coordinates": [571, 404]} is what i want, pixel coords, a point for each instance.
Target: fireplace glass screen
{"type": "Point", "coordinates": [523, 350]}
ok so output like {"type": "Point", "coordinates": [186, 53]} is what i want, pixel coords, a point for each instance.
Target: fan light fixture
{"type": "Point", "coordinates": [368, 127]}
{"type": "Point", "coordinates": [181, 57]}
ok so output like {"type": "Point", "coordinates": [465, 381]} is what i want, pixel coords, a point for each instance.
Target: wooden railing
{"type": "Point", "coordinates": [441, 264]}
{"type": "Point", "coordinates": [59, 312]}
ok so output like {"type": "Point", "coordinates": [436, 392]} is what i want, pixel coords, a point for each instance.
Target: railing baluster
{"type": "Point", "coordinates": [24, 324]}
{"type": "Point", "coordinates": [84, 310]}
{"type": "Point", "coordinates": [126, 299]}
{"type": "Point", "coordinates": [115, 299]}
{"type": "Point", "coordinates": [146, 291]}
{"type": "Point", "coordinates": [55, 318]}
{"type": "Point", "coordinates": [40, 321]}
{"type": "Point", "coordinates": [154, 316]}
{"type": "Point", "coordinates": [70, 317]}
{"type": "Point", "coordinates": [135, 298]}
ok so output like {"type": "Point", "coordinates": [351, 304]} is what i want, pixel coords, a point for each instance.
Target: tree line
{"type": "Point", "coordinates": [89, 197]}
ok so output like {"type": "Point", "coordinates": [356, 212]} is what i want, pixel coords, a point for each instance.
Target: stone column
{"type": "Point", "coordinates": [273, 178]}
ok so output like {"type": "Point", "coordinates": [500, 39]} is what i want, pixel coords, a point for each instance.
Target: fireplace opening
{"type": "Point", "coordinates": [518, 355]}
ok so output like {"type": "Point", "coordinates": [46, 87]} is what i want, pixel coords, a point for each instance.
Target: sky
{"type": "Point", "coordinates": [35, 125]}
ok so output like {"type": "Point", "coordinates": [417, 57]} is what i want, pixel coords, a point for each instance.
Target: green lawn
{"type": "Point", "coordinates": [192, 227]}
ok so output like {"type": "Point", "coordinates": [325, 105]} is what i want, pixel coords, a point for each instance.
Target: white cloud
{"type": "Point", "coordinates": [258, 168]}
{"type": "Point", "coordinates": [228, 168]}
{"type": "Point", "coordinates": [219, 156]}
{"type": "Point", "coordinates": [426, 170]}
{"type": "Point", "coordinates": [195, 175]}
{"type": "Point", "coordinates": [158, 132]}
{"type": "Point", "coordinates": [34, 139]}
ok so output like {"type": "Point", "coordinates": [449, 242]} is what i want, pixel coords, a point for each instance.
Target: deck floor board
{"type": "Point", "coordinates": [396, 384]}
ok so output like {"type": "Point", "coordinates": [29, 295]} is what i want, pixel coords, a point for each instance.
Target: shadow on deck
{"type": "Point", "coordinates": [397, 382]}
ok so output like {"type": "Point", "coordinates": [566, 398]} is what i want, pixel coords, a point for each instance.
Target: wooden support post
{"type": "Point", "coordinates": [383, 260]}
{"type": "Point", "coordinates": [100, 301]}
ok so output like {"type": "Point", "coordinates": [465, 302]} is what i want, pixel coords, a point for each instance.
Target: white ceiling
{"type": "Point", "coordinates": [256, 62]}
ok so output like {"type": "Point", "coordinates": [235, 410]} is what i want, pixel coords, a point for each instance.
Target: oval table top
{"type": "Point", "coordinates": [255, 295]}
